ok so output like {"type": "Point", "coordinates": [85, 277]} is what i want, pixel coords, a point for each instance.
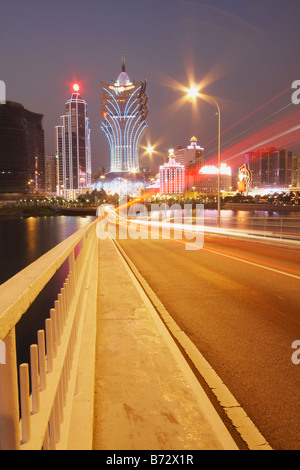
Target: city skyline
{"type": "Point", "coordinates": [245, 55]}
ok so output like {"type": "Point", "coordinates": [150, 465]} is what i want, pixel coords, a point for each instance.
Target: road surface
{"type": "Point", "coordinates": [239, 303]}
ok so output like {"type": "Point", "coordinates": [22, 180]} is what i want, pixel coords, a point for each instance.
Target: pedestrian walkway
{"type": "Point", "coordinates": [146, 396]}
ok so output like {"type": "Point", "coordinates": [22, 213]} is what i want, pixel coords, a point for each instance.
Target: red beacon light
{"type": "Point", "coordinates": [76, 87]}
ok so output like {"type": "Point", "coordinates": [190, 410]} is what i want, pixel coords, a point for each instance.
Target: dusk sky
{"type": "Point", "coordinates": [244, 53]}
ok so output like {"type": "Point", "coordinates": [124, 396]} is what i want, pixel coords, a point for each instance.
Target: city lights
{"type": "Point", "coordinates": [214, 170]}
{"type": "Point", "coordinates": [193, 92]}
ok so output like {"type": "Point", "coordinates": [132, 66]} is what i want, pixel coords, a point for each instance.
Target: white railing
{"type": "Point", "coordinates": [36, 409]}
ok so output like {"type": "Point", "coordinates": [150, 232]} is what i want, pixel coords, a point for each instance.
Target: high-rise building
{"type": "Point", "coordinates": [22, 149]}
{"type": "Point", "coordinates": [296, 171]}
{"type": "Point", "coordinates": [270, 167]}
{"type": "Point", "coordinates": [50, 173]}
{"type": "Point", "coordinates": [172, 177]}
{"type": "Point", "coordinates": [124, 112]}
{"type": "Point", "coordinates": [73, 148]}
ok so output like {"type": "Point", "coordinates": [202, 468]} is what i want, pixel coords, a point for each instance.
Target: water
{"type": "Point", "coordinates": [22, 241]}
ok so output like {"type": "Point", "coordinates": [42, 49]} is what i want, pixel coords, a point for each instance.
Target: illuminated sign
{"type": "Point", "coordinates": [214, 170]}
{"type": "Point", "coordinates": [120, 89]}
{"type": "Point", "coordinates": [245, 179]}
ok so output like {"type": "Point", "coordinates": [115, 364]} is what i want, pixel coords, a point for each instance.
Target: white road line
{"type": "Point", "coordinates": [253, 264]}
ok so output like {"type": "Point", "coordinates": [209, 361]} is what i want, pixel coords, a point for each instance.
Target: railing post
{"type": "Point", "coordinates": [25, 402]}
{"type": "Point", "coordinates": [9, 400]}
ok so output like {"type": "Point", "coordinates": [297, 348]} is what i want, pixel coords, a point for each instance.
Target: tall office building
{"type": "Point", "coordinates": [22, 149]}
{"type": "Point", "coordinates": [124, 112]}
{"type": "Point", "coordinates": [73, 148]}
{"type": "Point", "coordinates": [50, 173]}
{"type": "Point", "coordinates": [270, 167]}
{"type": "Point", "coordinates": [296, 171]}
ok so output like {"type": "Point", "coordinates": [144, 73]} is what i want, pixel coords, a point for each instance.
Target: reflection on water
{"type": "Point", "coordinates": [22, 241]}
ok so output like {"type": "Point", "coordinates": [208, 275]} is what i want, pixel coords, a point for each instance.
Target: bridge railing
{"type": "Point", "coordinates": [36, 404]}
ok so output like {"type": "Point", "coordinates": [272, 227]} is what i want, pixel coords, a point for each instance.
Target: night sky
{"type": "Point", "coordinates": [245, 53]}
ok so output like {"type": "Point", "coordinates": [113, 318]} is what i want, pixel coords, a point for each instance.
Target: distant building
{"type": "Point", "coordinates": [22, 149]}
{"type": "Point", "coordinates": [270, 167]}
{"type": "Point", "coordinates": [50, 173]}
{"type": "Point", "coordinates": [193, 158]}
{"type": "Point", "coordinates": [172, 177]}
{"type": "Point", "coordinates": [189, 154]}
{"type": "Point", "coordinates": [208, 179]}
{"type": "Point", "coordinates": [73, 148]}
{"type": "Point", "coordinates": [296, 171]}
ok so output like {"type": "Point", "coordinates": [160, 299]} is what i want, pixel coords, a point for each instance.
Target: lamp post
{"type": "Point", "coordinates": [194, 93]}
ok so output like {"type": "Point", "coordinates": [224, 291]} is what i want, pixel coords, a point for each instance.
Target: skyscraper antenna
{"type": "Point", "coordinates": [123, 63]}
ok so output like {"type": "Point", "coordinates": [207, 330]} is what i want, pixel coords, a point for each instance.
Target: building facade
{"type": "Point", "coordinates": [172, 177]}
{"type": "Point", "coordinates": [124, 112]}
{"type": "Point", "coordinates": [270, 167]}
{"type": "Point", "coordinates": [50, 174]}
{"type": "Point", "coordinates": [296, 171]}
{"type": "Point", "coordinates": [22, 149]}
{"type": "Point", "coordinates": [192, 157]}
{"type": "Point", "coordinates": [190, 154]}
{"type": "Point", "coordinates": [208, 179]}
{"type": "Point", "coordinates": [73, 148]}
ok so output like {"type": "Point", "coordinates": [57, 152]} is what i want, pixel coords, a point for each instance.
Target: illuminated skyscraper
{"type": "Point", "coordinates": [124, 112]}
{"type": "Point", "coordinates": [73, 149]}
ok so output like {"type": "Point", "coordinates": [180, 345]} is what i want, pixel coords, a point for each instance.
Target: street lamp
{"type": "Point", "coordinates": [151, 150]}
{"type": "Point", "coordinates": [194, 93]}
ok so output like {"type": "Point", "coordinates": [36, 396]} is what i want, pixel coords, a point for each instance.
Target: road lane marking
{"type": "Point", "coordinates": [252, 263]}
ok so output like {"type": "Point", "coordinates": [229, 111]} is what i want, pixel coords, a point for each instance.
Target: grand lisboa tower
{"type": "Point", "coordinates": [124, 111]}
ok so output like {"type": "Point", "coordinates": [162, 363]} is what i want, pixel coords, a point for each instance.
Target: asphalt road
{"type": "Point", "coordinates": [239, 302]}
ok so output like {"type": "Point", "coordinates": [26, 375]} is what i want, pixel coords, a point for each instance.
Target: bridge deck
{"type": "Point", "coordinates": [146, 397]}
